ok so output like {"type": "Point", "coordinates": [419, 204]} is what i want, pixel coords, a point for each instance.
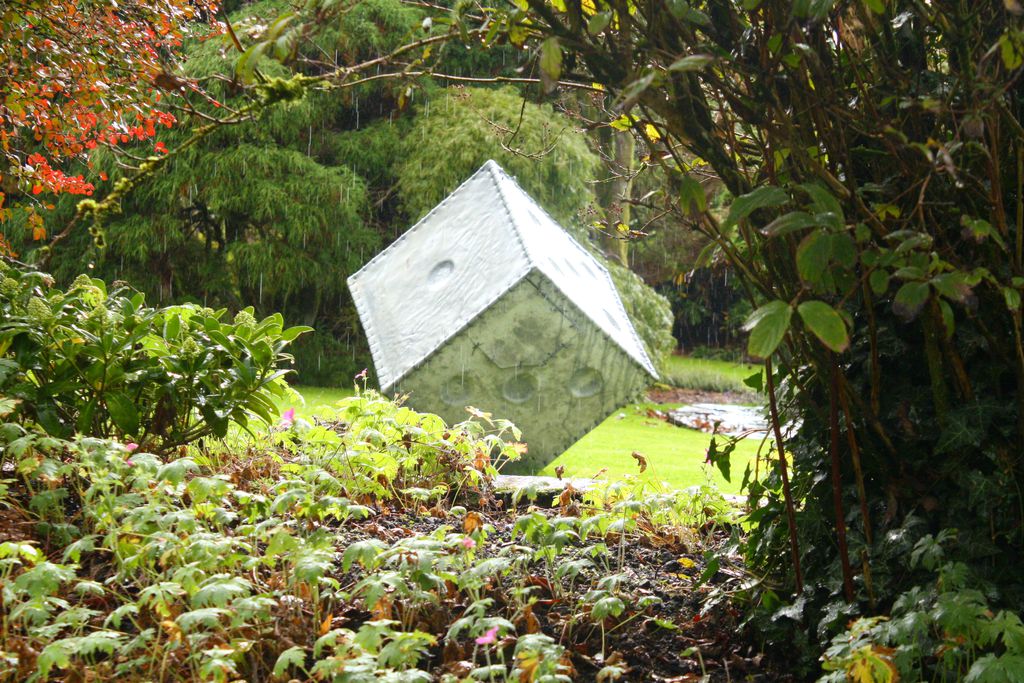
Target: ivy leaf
{"type": "Point", "coordinates": [826, 324]}
{"type": "Point", "coordinates": [761, 198]}
{"type": "Point", "coordinates": [767, 326]}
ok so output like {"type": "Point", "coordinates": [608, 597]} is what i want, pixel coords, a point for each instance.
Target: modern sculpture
{"type": "Point", "coordinates": [487, 302]}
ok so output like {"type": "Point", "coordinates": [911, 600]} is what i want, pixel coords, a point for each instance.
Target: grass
{"type": "Point", "coordinates": [674, 455]}
{"type": "Point", "coordinates": [317, 398]}
{"type": "Point", "coordinates": [706, 374]}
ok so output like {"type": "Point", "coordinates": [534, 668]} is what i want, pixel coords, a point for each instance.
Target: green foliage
{"type": "Point", "coordinates": [649, 311]}
{"type": "Point", "coordinates": [709, 374]}
{"type": "Point", "coordinates": [473, 125]}
{"type": "Point", "coordinates": [85, 360]}
{"type": "Point", "coordinates": [267, 564]}
{"type": "Point", "coordinates": [945, 630]}
{"type": "Point", "coordinates": [873, 153]}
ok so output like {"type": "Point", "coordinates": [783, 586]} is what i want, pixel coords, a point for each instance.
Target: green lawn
{"type": "Point", "coordinates": [674, 455]}
{"type": "Point", "coordinates": [316, 399]}
{"type": "Point", "coordinates": [707, 374]}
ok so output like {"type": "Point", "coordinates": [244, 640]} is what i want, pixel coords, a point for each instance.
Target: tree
{"type": "Point", "coordinates": [276, 211]}
{"type": "Point", "coordinates": [873, 149]}
{"type": "Point", "coordinates": [541, 148]}
{"type": "Point", "coordinates": [77, 76]}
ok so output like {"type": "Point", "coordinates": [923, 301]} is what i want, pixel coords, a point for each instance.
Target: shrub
{"type": "Point", "coordinates": [85, 360]}
{"type": "Point", "coordinates": [943, 630]}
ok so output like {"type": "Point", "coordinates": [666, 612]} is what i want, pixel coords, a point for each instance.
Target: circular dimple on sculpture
{"type": "Point", "coordinates": [585, 382]}
{"type": "Point", "coordinates": [440, 273]}
{"type": "Point", "coordinates": [456, 391]}
{"type": "Point", "coordinates": [520, 388]}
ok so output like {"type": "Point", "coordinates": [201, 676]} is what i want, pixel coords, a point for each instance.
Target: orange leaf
{"type": "Point", "coordinates": [38, 233]}
{"type": "Point", "coordinates": [325, 626]}
{"type": "Point", "coordinates": [382, 610]}
{"type": "Point", "coordinates": [472, 522]}
{"type": "Point", "coordinates": [641, 460]}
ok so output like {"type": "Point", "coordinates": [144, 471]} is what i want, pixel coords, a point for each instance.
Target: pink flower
{"type": "Point", "coordinates": [489, 637]}
{"type": "Point", "coordinates": [468, 543]}
{"type": "Point", "coordinates": [131, 446]}
{"type": "Point", "coordinates": [288, 417]}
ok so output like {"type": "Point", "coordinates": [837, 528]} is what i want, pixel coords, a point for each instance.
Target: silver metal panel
{"type": "Point", "coordinates": [570, 267]}
{"type": "Point", "coordinates": [464, 256]}
{"type": "Point", "coordinates": [437, 277]}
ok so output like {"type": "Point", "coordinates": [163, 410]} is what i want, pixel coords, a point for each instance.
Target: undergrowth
{"type": "Point", "coordinates": [271, 557]}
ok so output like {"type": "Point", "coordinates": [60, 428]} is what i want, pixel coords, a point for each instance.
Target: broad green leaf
{"type": "Point", "coordinates": [789, 222]}
{"type": "Point", "coordinates": [208, 617]}
{"type": "Point", "coordinates": [767, 326]}
{"type": "Point", "coordinates": [1011, 51]}
{"type": "Point", "coordinates": [551, 60]}
{"type": "Point", "coordinates": [635, 89]}
{"type": "Point", "coordinates": [172, 326]}
{"type": "Point", "coordinates": [123, 412]}
{"type": "Point", "coordinates": [598, 22]}
{"type": "Point", "coordinates": [691, 195]}
{"type": "Point", "coordinates": [1012, 298]}
{"type": "Point", "coordinates": [293, 656]}
{"type": "Point", "coordinates": [174, 472]}
{"type": "Point", "coordinates": [813, 256]}
{"type": "Point", "coordinates": [691, 63]}
{"type": "Point", "coordinates": [293, 332]}
{"type": "Point", "coordinates": [761, 198]}
{"type": "Point", "coordinates": [979, 230]}
{"type": "Point", "coordinates": [948, 319]}
{"type": "Point", "coordinates": [610, 606]}
{"type": "Point", "coordinates": [363, 552]}
{"type": "Point", "coordinates": [684, 10]}
{"type": "Point", "coordinates": [844, 250]}
{"type": "Point", "coordinates": [910, 298]}
{"type": "Point", "coordinates": [219, 590]}
{"type": "Point", "coordinates": [953, 286]}
{"type": "Point", "coordinates": [879, 281]}
{"type": "Point", "coordinates": [826, 324]}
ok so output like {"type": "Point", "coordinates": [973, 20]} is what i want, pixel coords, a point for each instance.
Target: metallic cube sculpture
{"type": "Point", "coordinates": [487, 302]}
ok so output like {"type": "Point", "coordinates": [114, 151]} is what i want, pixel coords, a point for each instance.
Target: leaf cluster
{"type": "Point", "coordinates": [102, 363]}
